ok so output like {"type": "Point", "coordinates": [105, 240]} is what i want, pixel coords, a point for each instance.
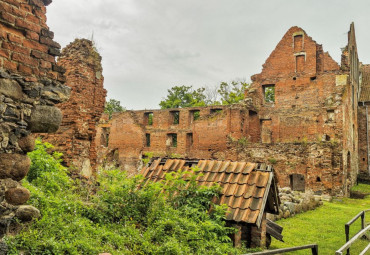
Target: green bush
{"type": "Point", "coordinates": [119, 217]}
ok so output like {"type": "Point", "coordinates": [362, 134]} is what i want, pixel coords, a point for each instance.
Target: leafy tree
{"type": "Point", "coordinates": [112, 106]}
{"type": "Point", "coordinates": [224, 94]}
{"type": "Point", "coordinates": [232, 92]}
{"type": "Point", "coordinates": [183, 96]}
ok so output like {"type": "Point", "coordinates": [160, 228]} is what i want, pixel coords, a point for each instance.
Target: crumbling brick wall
{"type": "Point", "coordinates": [201, 132]}
{"type": "Point", "coordinates": [76, 135]}
{"type": "Point", "coordinates": [318, 165]}
{"type": "Point", "coordinates": [314, 99]}
{"type": "Point", "coordinates": [31, 83]}
{"type": "Point", "coordinates": [308, 130]}
{"type": "Point", "coordinates": [364, 121]}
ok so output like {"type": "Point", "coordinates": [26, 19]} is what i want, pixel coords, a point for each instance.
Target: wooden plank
{"type": "Point", "coordinates": [355, 218]}
{"type": "Point", "coordinates": [353, 239]}
{"type": "Point", "coordinates": [275, 226]}
{"type": "Point", "coordinates": [365, 250]}
{"type": "Point", "coordinates": [264, 200]}
{"type": "Point", "coordinates": [274, 233]}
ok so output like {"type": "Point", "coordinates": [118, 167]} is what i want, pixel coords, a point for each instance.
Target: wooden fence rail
{"type": "Point", "coordinates": [314, 248]}
{"type": "Point", "coordinates": [353, 239]}
{"type": "Point", "coordinates": [353, 220]}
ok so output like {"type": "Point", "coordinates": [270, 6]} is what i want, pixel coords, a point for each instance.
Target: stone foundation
{"type": "Point", "coordinates": [31, 83]}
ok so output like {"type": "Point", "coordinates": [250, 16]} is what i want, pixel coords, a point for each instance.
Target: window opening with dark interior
{"type": "Point", "coordinates": [172, 140]}
{"type": "Point", "coordinates": [269, 93]}
{"type": "Point", "coordinates": [148, 118]}
{"type": "Point", "coordinates": [216, 110]}
{"type": "Point", "coordinates": [175, 117]}
{"type": "Point", "coordinates": [297, 182]}
{"type": "Point", "coordinates": [147, 140]}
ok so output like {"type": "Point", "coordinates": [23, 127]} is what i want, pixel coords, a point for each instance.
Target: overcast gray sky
{"type": "Point", "coordinates": [150, 46]}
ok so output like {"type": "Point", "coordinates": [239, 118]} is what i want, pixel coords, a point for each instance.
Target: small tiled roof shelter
{"type": "Point", "coordinates": [248, 189]}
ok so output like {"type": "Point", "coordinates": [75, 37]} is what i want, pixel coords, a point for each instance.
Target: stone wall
{"type": "Point", "coordinates": [303, 166]}
{"type": "Point", "coordinates": [76, 135]}
{"type": "Point", "coordinates": [31, 83]}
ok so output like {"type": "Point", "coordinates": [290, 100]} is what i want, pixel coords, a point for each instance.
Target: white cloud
{"type": "Point", "coordinates": [150, 46]}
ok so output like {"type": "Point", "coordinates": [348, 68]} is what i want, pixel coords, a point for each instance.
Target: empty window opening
{"type": "Point", "coordinates": [349, 168]}
{"type": "Point", "coordinates": [294, 78]}
{"type": "Point", "coordinates": [363, 159]}
{"type": "Point", "coordinates": [189, 140]}
{"type": "Point", "coordinates": [194, 115]}
{"type": "Point", "coordinates": [269, 93]}
{"type": "Point", "coordinates": [147, 140]}
{"type": "Point", "coordinates": [171, 140]}
{"type": "Point", "coordinates": [353, 96]}
{"type": "Point", "coordinates": [148, 118]}
{"type": "Point", "coordinates": [318, 179]}
{"type": "Point", "coordinates": [175, 115]}
{"type": "Point", "coordinates": [297, 182]}
{"type": "Point", "coordinates": [104, 138]}
{"type": "Point", "coordinates": [313, 78]}
{"type": "Point", "coordinates": [298, 42]}
{"type": "Point", "coordinates": [300, 63]}
{"type": "Point", "coordinates": [216, 110]}
{"type": "Point", "coordinates": [331, 115]}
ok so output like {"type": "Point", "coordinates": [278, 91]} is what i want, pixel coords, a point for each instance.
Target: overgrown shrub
{"type": "Point", "coordinates": [119, 217]}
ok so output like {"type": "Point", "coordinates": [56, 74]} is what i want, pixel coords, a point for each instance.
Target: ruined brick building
{"type": "Point", "coordinates": [31, 83]}
{"type": "Point", "coordinates": [76, 135]}
{"type": "Point", "coordinates": [308, 128]}
{"type": "Point", "coordinates": [364, 117]}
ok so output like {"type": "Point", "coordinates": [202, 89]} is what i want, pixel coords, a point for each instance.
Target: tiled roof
{"type": "Point", "coordinates": [247, 188]}
{"type": "Point", "coordinates": [365, 84]}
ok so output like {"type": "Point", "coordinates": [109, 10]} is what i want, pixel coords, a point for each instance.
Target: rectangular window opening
{"type": "Point", "coordinates": [298, 43]}
{"type": "Point", "coordinates": [189, 140]}
{"type": "Point", "coordinates": [171, 140]}
{"type": "Point", "coordinates": [104, 138]}
{"type": "Point", "coordinates": [300, 63]}
{"type": "Point", "coordinates": [147, 140]}
{"type": "Point", "coordinates": [148, 118]}
{"type": "Point", "coordinates": [216, 110]}
{"type": "Point", "coordinates": [269, 93]}
{"type": "Point", "coordinates": [194, 115]}
{"type": "Point", "coordinates": [331, 115]}
{"type": "Point", "coordinates": [175, 117]}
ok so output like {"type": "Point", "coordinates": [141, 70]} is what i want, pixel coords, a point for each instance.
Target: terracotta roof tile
{"type": "Point", "coordinates": [244, 185]}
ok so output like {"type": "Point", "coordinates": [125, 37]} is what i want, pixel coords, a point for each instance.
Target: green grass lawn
{"type": "Point", "coordinates": [363, 188]}
{"type": "Point", "coordinates": [324, 226]}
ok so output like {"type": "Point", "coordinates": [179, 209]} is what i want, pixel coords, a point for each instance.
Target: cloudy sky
{"type": "Point", "coordinates": [150, 46]}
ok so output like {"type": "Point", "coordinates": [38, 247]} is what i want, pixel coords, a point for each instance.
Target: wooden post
{"type": "Point", "coordinates": [315, 250]}
{"type": "Point", "coordinates": [347, 236]}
